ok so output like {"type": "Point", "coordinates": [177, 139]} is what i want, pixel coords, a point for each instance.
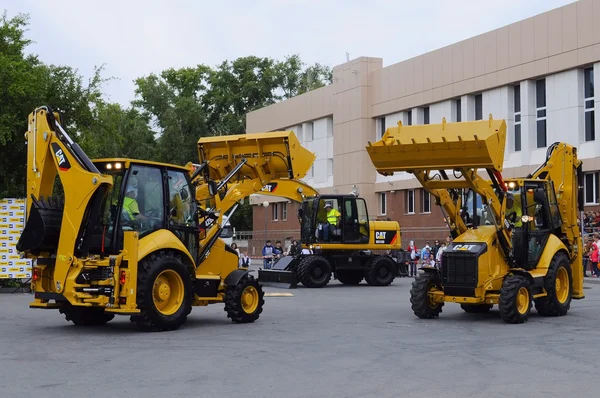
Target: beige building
{"type": "Point", "coordinates": [538, 74]}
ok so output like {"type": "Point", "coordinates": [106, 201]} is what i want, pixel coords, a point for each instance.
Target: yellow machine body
{"type": "Point", "coordinates": [128, 237]}
{"type": "Point", "coordinates": [516, 241]}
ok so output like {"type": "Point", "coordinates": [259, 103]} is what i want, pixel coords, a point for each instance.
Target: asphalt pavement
{"type": "Point", "coordinates": [339, 341]}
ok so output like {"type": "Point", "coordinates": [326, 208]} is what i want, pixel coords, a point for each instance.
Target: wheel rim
{"type": "Point", "coordinates": [522, 300]}
{"type": "Point", "coordinates": [431, 297]}
{"type": "Point", "coordinates": [250, 299]}
{"type": "Point", "coordinates": [383, 272]}
{"type": "Point", "coordinates": [317, 272]}
{"type": "Point", "coordinates": [562, 285]}
{"type": "Point", "coordinates": [168, 292]}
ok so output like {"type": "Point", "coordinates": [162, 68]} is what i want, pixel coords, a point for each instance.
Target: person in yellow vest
{"type": "Point", "coordinates": [333, 218]}
{"type": "Point", "coordinates": [131, 210]}
{"type": "Point", "coordinates": [514, 213]}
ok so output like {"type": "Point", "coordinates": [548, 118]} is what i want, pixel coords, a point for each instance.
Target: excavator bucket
{"type": "Point", "coordinates": [42, 229]}
{"type": "Point", "coordinates": [276, 155]}
{"type": "Point", "coordinates": [445, 146]}
{"type": "Point", "coordinates": [282, 274]}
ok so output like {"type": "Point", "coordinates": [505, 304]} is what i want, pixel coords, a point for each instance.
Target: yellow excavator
{"type": "Point", "coordinates": [129, 236]}
{"type": "Point", "coordinates": [516, 241]}
{"type": "Point", "coordinates": [341, 241]}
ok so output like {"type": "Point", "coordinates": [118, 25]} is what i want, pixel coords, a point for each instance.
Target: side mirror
{"type": "Point", "coordinates": [184, 194]}
{"type": "Point", "coordinates": [212, 188]}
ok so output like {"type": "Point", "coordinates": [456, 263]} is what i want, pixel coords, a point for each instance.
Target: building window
{"type": "Point", "coordinates": [479, 107]}
{"type": "Point", "coordinates": [381, 129]}
{"type": "Point", "coordinates": [284, 211]}
{"type": "Point", "coordinates": [382, 204]}
{"type": "Point", "coordinates": [409, 118]}
{"type": "Point", "coordinates": [591, 188]}
{"type": "Point", "coordinates": [309, 133]}
{"type": "Point", "coordinates": [517, 110]}
{"type": "Point", "coordinates": [425, 201]}
{"type": "Point", "coordinates": [330, 166]}
{"type": "Point", "coordinates": [590, 125]}
{"type": "Point", "coordinates": [275, 212]}
{"type": "Point", "coordinates": [410, 201]}
{"type": "Point", "coordinates": [311, 172]}
{"type": "Point", "coordinates": [426, 115]}
{"type": "Point", "coordinates": [458, 110]}
{"type": "Point", "coordinates": [330, 127]}
{"type": "Point", "coordinates": [540, 108]}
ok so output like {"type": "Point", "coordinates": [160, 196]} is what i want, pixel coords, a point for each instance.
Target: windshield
{"type": "Point", "coordinates": [481, 216]}
{"type": "Point", "coordinates": [227, 232]}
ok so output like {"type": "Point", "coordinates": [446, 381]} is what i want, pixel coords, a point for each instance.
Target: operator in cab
{"type": "Point", "coordinates": [513, 210]}
{"type": "Point", "coordinates": [333, 218]}
{"type": "Point", "coordinates": [131, 210]}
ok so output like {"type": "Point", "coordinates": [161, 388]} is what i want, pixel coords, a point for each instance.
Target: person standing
{"type": "Point", "coordinates": [412, 249]}
{"type": "Point", "coordinates": [594, 257]}
{"type": "Point", "coordinates": [267, 255]}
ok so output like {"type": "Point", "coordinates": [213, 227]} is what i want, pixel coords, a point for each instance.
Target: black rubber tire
{"type": "Point", "coordinates": [149, 268]}
{"type": "Point", "coordinates": [508, 299]}
{"type": "Point", "coordinates": [233, 301]}
{"type": "Point", "coordinates": [85, 316]}
{"type": "Point", "coordinates": [419, 299]}
{"type": "Point", "coordinates": [550, 305]}
{"type": "Point", "coordinates": [350, 277]}
{"type": "Point", "coordinates": [380, 271]}
{"type": "Point", "coordinates": [476, 308]}
{"type": "Point", "coordinates": [314, 271]}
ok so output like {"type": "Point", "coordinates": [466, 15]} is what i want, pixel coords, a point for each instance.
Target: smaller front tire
{"type": "Point", "coordinates": [314, 271]}
{"type": "Point", "coordinates": [515, 299]}
{"type": "Point", "coordinates": [422, 304]}
{"type": "Point", "coordinates": [244, 302]}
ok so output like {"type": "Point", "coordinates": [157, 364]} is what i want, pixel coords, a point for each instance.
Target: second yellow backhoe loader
{"type": "Point", "coordinates": [129, 237]}
{"type": "Point", "coordinates": [516, 241]}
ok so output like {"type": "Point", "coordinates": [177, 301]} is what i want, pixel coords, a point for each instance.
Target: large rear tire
{"type": "Point", "coordinates": [422, 305]}
{"type": "Point", "coordinates": [515, 299]}
{"type": "Point", "coordinates": [244, 302]}
{"type": "Point", "coordinates": [350, 277]}
{"type": "Point", "coordinates": [558, 283]}
{"type": "Point", "coordinates": [85, 316]}
{"type": "Point", "coordinates": [380, 271]}
{"type": "Point", "coordinates": [314, 271]}
{"type": "Point", "coordinates": [164, 294]}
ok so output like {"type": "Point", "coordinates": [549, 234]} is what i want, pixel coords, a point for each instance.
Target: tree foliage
{"type": "Point", "coordinates": [171, 111]}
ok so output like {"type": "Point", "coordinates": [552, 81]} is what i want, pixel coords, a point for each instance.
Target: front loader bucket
{"type": "Point", "coordinates": [278, 155]}
{"type": "Point", "coordinates": [42, 228]}
{"type": "Point", "coordinates": [445, 146]}
{"type": "Point", "coordinates": [281, 275]}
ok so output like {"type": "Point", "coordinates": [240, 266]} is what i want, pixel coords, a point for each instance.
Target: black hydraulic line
{"type": "Point", "coordinates": [206, 248]}
{"type": "Point", "coordinates": [289, 160]}
{"type": "Point", "coordinates": [232, 173]}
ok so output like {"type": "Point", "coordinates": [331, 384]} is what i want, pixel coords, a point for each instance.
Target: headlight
{"type": "Point", "coordinates": [511, 185]}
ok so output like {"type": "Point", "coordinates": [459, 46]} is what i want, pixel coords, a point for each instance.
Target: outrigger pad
{"type": "Point", "coordinates": [42, 228]}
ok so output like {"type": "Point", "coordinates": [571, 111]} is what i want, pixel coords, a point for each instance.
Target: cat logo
{"type": "Point", "coordinates": [269, 187]}
{"type": "Point", "coordinates": [380, 235]}
{"type": "Point", "coordinates": [464, 247]}
{"type": "Point", "coordinates": [63, 162]}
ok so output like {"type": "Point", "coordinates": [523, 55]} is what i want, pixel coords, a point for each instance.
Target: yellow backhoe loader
{"type": "Point", "coordinates": [516, 241]}
{"type": "Point", "coordinates": [129, 237]}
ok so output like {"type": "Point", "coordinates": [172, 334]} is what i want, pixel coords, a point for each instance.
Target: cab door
{"type": "Point", "coordinates": [355, 221]}
{"type": "Point", "coordinates": [182, 210]}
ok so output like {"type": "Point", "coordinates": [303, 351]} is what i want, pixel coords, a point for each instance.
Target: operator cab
{"type": "Point", "coordinates": [533, 212]}
{"type": "Point", "coordinates": [334, 219]}
{"type": "Point", "coordinates": [146, 197]}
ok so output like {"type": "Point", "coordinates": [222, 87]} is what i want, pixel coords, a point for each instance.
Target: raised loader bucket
{"type": "Point", "coordinates": [42, 228]}
{"type": "Point", "coordinates": [276, 154]}
{"type": "Point", "coordinates": [281, 275]}
{"type": "Point", "coordinates": [445, 146]}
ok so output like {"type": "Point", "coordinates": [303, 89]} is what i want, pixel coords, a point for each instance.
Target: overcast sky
{"type": "Point", "coordinates": [134, 38]}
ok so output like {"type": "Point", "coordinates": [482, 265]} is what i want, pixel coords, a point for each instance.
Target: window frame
{"type": "Point", "coordinates": [479, 106]}
{"type": "Point", "coordinates": [595, 188]}
{"type": "Point", "coordinates": [589, 104]}
{"type": "Point", "coordinates": [382, 203]}
{"type": "Point", "coordinates": [284, 211]}
{"type": "Point", "coordinates": [410, 192]}
{"type": "Point", "coordinates": [517, 131]}
{"type": "Point", "coordinates": [425, 194]}
{"type": "Point", "coordinates": [541, 115]}
{"type": "Point", "coordinates": [275, 212]}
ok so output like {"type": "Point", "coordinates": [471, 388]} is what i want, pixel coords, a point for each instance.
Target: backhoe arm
{"type": "Point", "coordinates": [54, 228]}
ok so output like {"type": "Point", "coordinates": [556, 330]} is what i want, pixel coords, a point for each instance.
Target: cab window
{"type": "Point", "coordinates": [142, 205]}
{"type": "Point", "coordinates": [181, 208]}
